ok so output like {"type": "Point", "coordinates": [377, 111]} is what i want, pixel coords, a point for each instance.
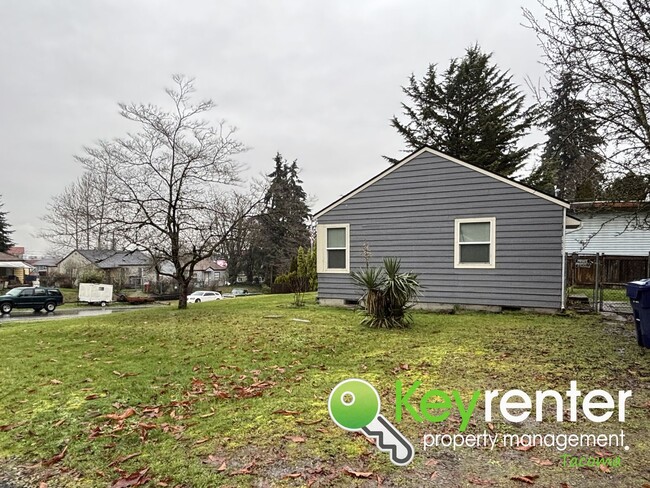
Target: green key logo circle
{"type": "Point", "coordinates": [353, 404]}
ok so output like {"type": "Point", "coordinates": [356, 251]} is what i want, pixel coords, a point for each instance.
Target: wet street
{"type": "Point", "coordinates": [28, 315]}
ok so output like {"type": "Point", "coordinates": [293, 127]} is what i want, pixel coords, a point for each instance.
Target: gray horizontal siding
{"type": "Point", "coordinates": [410, 214]}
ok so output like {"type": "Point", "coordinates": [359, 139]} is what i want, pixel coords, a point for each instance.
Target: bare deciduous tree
{"type": "Point", "coordinates": [606, 43]}
{"type": "Point", "coordinates": [78, 217]}
{"type": "Point", "coordinates": [171, 181]}
{"type": "Point", "coordinates": [237, 246]}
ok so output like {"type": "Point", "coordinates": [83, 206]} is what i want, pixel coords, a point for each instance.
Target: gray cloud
{"type": "Point", "coordinates": [316, 81]}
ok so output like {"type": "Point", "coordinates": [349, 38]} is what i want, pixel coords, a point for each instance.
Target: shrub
{"type": "Point", "coordinates": [388, 294]}
{"type": "Point", "coordinates": [57, 279]}
{"type": "Point", "coordinates": [91, 276]}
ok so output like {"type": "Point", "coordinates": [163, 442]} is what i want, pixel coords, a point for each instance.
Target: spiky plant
{"type": "Point", "coordinates": [388, 294]}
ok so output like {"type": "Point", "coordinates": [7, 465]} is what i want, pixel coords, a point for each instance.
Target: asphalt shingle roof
{"type": "Point", "coordinates": [96, 255]}
{"type": "Point", "coordinates": [108, 259]}
{"type": "Point", "coordinates": [125, 258]}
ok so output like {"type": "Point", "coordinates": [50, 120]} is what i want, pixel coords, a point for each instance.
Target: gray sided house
{"type": "Point", "coordinates": [474, 238]}
{"type": "Point", "coordinates": [124, 268]}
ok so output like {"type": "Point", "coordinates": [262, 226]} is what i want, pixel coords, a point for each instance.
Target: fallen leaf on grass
{"type": "Point", "coordinates": [216, 461]}
{"type": "Point", "coordinates": [433, 475]}
{"type": "Point", "coordinates": [604, 468]}
{"type": "Point", "coordinates": [59, 423]}
{"type": "Point", "coordinates": [292, 475]}
{"type": "Point", "coordinates": [248, 469]}
{"type": "Point", "coordinates": [528, 479]}
{"type": "Point", "coordinates": [151, 412]}
{"type": "Point", "coordinates": [138, 478]}
{"type": "Point", "coordinates": [357, 474]}
{"type": "Point", "coordinates": [206, 415]}
{"type": "Point", "coordinates": [490, 426]}
{"type": "Point", "coordinates": [123, 459]}
{"type": "Point", "coordinates": [8, 427]}
{"type": "Point", "coordinates": [431, 462]}
{"type": "Point", "coordinates": [295, 438]}
{"type": "Point", "coordinates": [202, 441]}
{"type": "Point", "coordinates": [604, 454]}
{"type": "Point", "coordinates": [56, 459]}
{"type": "Point", "coordinates": [524, 448]}
{"type": "Point", "coordinates": [129, 412]}
{"type": "Point", "coordinates": [286, 412]}
{"type": "Point", "coordinates": [542, 462]}
{"type": "Point", "coordinates": [56, 382]}
{"type": "Point", "coordinates": [42, 484]}
{"type": "Point", "coordinates": [94, 396]}
{"type": "Point", "coordinates": [567, 485]}
{"type": "Point", "coordinates": [479, 481]}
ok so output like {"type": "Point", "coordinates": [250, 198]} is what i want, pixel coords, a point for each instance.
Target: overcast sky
{"type": "Point", "coordinates": [317, 81]}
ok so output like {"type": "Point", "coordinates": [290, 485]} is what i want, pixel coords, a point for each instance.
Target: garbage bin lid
{"type": "Point", "coordinates": [644, 282]}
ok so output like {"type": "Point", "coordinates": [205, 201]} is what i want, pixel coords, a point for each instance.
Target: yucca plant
{"type": "Point", "coordinates": [388, 294]}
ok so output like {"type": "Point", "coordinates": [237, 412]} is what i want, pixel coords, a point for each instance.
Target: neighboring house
{"type": "Point", "coordinates": [618, 232]}
{"type": "Point", "coordinates": [210, 272]}
{"type": "Point", "coordinates": [473, 237]}
{"type": "Point", "coordinates": [12, 270]}
{"type": "Point", "coordinates": [18, 251]}
{"type": "Point", "coordinates": [45, 266]}
{"type": "Point", "coordinates": [126, 268]}
{"type": "Point", "coordinates": [609, 228]}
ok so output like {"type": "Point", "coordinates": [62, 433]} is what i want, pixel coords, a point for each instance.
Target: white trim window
{"type": "Point", "coordinates": [475, 242]}
{"type": "Point", "coordinates": [333, 244]}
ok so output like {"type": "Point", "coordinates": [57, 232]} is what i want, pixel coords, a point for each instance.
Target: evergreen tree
{"type": "Point", "coordinates": [629, 188]}
{"type": "Point", "coordinates": [283, 223]}
{"type": "Point", "coordinates": [570, 164]}
{"type": "Point", "coordinates": [5, 231]}
{"type": "Point", "coordinates": [473, 112]}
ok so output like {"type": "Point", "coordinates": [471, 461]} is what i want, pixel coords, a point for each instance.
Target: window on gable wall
{"type": "Point", "coordinates": [474, 245]}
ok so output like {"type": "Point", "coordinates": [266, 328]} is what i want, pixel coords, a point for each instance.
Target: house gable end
{"type": "Point", "coordinates": [416, 212]}
{"type": "Point", "coordinates": [424, 151]}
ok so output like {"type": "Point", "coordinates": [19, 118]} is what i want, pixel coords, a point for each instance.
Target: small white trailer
{"type": "Point", "coordinates": [96, 293]}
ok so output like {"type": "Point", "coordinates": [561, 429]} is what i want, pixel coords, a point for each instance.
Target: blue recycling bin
{"type": "Point", "coordinates": [639, 295]}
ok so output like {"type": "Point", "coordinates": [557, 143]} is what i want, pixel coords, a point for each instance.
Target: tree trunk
{"type": "Point", "coordinates": [183, 287]}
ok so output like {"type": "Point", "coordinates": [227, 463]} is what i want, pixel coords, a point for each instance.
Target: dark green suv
{"type": "Point", "coordinates": [36, 297]}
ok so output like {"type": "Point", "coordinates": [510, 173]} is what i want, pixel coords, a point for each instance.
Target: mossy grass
{"type": "Point", "coordinates": [235, 392]}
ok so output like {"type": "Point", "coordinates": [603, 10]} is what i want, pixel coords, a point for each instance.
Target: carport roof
{"type": "Point", "coordinates": [14, 264]}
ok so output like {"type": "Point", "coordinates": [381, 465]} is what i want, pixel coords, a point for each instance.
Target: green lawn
{"type": "Point", "coordinates": [235, 393]}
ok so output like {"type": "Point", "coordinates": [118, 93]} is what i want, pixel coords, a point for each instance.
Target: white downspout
{"type": "Point", "coordinates": [563, 259]}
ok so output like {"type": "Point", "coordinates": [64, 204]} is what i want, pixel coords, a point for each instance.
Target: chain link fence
{"type": "Point", "coordinates": [597, 281]}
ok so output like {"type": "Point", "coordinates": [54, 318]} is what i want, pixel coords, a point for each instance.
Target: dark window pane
{"type": "Point", "coordinates": [475, 253]}
{"type": "Point", "coordinates": [336, 259]}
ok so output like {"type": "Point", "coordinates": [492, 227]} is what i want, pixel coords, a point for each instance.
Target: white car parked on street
{"type": "Point", "coordinates": [204, 296]}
